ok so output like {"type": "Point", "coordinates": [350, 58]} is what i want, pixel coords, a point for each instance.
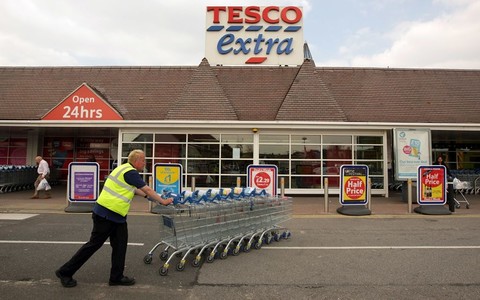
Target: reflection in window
{"type": "Point", "coordinates": [203, 150]}
{"type": "Point", "coordinates": [337, 139]}
{"type": "Point", "coordinates": [137, 137]}
{"type": "Point", "coordinates": [273, 151]}
{"type": "Point", "coordinates": [368, 152]}
{"type": "Point", "coordinates": [203, 138]}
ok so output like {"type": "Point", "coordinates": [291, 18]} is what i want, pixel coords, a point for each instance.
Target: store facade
{"type": "Point", "coordinates": [216, 120]}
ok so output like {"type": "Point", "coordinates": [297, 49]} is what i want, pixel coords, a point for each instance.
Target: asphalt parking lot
{"type": "Point", "coordinates": [327, 257]}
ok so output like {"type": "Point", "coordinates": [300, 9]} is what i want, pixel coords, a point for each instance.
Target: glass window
{"type": "Point", "coordinates": [306, 167]}
{"type": "Point", "coordinates": [336, 152]}
{"type": "Point", "coordinates": [368, 152]}
{"type": "Point", "coordinates": [232, 150]}
{"type": "Point", "coordinates": [237, 138]}
{"type": "Point", "coordinates": [127, 147]}
{"type": "Point", "coordinates": [235, 166]}
{"type": "Point", "coordinates": [170, 150]}
{"type": "Point", "coordinates": [170, 138]}
{"type": "Point", "coordinates": [273, 151]}
{"type": "Point", "coordinates": [374, 167]}
{"type": "Point", "coordinates": [203, 138]}
{"type": "Point", "coordinates": [337, 139]}
{"type": "Point", "coordinates": [306, 151]}
{"type": "Point", "coordinates": [202, 166]}
{"type": "Point", "coordinates": [306, 139]}
{"type": "Point", "coordinates": [203, 150]}
{"type": "Point", "coordinates": [137, 137]}
{"type": "Point", "coordinates": [265, 138]}
{"type": "Point", "coordinates": [370, 140]}
{"type": "Point", "coordinates": [303, 182]}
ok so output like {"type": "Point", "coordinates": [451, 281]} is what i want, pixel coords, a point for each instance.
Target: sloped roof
{"type": "Point", "coordinates": [308, 99]}
{"type": "Point", "coordinates": [250, 93]}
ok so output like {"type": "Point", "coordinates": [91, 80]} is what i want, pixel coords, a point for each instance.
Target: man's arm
{"type": "Point", "coordinates": [147, 191]}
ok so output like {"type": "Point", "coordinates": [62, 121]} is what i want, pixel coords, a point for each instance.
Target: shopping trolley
{"type": "Point", "coordinates": [461, 188]}
{"type": "Point", "coordinates": [218, 222]}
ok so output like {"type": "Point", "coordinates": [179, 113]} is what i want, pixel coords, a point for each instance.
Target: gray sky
{"type": "Point", "coordinates": [342, 33]}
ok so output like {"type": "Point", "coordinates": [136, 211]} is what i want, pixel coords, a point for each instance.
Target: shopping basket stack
{"type": "Point", "coordinates": [214, 223]}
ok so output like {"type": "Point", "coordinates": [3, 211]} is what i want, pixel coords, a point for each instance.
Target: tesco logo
{"type": "Point", "coordinates": [255, 14]}
{"type": "Point", "coordinates": [252, 34]}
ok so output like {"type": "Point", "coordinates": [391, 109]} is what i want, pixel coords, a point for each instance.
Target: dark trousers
{"type": "Point", "coordinates": [102, 230]}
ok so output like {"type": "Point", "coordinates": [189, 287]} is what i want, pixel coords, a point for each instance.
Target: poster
{"type": "Point", "coordinates": [412, 149]}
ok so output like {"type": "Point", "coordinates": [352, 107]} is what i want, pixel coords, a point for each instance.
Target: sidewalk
{"type": "Point", "coordinates": [303, 206]}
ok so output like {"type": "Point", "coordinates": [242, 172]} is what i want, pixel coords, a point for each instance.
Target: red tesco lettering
{"type": "Point", "coordinates": [254, 14]}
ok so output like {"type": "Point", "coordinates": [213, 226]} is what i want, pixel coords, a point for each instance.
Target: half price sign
{"type": "Point", "coordinates": [354, 189]}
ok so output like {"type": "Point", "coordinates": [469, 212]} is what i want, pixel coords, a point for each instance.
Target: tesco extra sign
{"type": "Point", "coordinates": [269, 35]}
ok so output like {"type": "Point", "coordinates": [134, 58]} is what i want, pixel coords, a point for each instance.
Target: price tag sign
{"type": "Point", "coordinates": [354, 184]}
{"type": "Point", "coordinates": [264, 177]}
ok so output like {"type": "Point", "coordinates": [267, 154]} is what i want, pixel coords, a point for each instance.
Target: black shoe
{"type": "Point", "coordinates": [124, 281]}
{"type": "Point", "coordinates": [66, 281]}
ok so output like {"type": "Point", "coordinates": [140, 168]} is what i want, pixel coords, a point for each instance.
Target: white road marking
{"type": "Point", "coordinates": [371, 247]}
{"type": "Point", "coordinates": [16, 217]}
{"type": "Point", "coordinates": [57, 242]}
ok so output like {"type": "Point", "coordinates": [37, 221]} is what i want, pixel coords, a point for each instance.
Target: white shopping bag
{"type": "Point", "coordinates": [44, 185]}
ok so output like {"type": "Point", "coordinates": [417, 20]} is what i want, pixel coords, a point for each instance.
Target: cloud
{"type": "Point", "coordinates": [107, 32]}
{"type": "Point", "coordinates": [448, 41]}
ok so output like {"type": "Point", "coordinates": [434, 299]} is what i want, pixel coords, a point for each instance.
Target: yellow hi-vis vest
{"type": "Point", "coordinates": [117, 194]}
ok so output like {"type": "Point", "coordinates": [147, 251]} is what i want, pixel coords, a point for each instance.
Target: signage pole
{"type": "Point", "coordinates": [409, 184]}
{"type": "Point", "coordinates": [326, 195]}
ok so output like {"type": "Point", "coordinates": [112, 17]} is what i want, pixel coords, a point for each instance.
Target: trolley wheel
{"type": "Point", "coordinates": [223, 255]}
{"type": "Point", "coordinates": [180, 266]}
{"type": "Point", "coordinates": [268, 239]}
{"type": "Point", "coordinates": [195, 263]}
{"type": "Point", "coordinates": [258, 245]}
{"type": "Point", "coordinates": [286, 234]}
{"type": "Point", "coordinates": [235, 251]}
{"type": "Point", "coordinates": [147, 259]}
{"type": "Point", "coordinates": [276, 237]}
{"type": "Point", "coordinates": [467, 206]}
{"type": "Point", "coordinates": [210, 258]}
{"type": "Point", "coordinates": [163, 271]}
{"type": "Point", "coordinates": [164, 255]}
{"type": "Point", "coordinates": [246, 249]}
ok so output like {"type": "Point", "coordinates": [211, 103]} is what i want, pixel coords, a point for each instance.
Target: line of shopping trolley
{"type": "Point", "coordinates": [218, 222]}
{"type": "Point", "coordinates": [17, 178]}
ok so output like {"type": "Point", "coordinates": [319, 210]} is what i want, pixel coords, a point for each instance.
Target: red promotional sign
{"type": "Point", "coordinates": [431, 185]}
{"type": "Point", "coordinates": [263, 177]}
{"type": "Point", "coordinates": [83, 104]}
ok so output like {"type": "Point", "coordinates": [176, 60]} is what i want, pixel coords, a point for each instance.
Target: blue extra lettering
{"type": "Point", "coordinates": [244, 45]}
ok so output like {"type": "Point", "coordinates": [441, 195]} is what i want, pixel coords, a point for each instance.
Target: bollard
{"type": "Point", "coordinates": [150, 184]}
{"type": "Point", "coordinates": [369, 200]}
{"type": "Point", "coordinates": [325, 188]}
{"type": "Point", "coordinates": [409, 195]}
{"type": "Point", "coordinates": [282, 187]}
{"type": "Point", "coordinates": [193, 183]}
{"type": "Point", "coordinates": [239, 182]}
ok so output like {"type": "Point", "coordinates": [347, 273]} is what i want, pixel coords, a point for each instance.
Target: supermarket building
{"type": "Point", "coordinates": [217, 118]}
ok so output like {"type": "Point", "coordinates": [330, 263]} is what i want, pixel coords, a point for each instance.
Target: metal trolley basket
{"type": "Point", "coordinates": [460, 188]}
{"type": "Point", "coordinates": [215, 223]}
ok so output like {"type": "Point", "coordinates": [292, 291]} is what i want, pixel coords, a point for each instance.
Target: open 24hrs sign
{"type": "Point", "coordinates": [83, 104]}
